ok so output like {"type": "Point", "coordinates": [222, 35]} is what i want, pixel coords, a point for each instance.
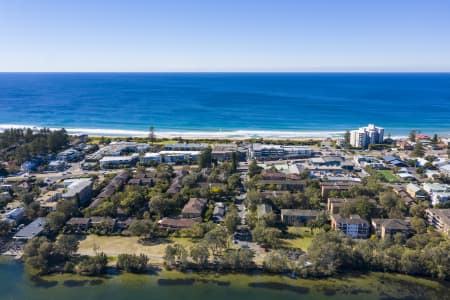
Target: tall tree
{"type": "Point", "coordinates": [412, 135]}
{"type": "Point", "coordinates": [204, 159]}
{"type": "Point", "coordinates": [418, 150]}
{"type": "Point", "coordinates": [347, 138]}
{"type": "Point", "coordinates": [151, 135]}
{"type": "Point", "coordinates": [435, 139]}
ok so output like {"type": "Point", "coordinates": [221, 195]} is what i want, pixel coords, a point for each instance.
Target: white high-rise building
{"type": "Point", "coordinates": [365, 136]}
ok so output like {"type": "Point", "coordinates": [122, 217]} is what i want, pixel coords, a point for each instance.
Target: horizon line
{"type": "Point", "coordinates": [230, 72]}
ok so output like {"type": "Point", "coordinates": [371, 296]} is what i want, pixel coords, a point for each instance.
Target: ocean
{"type": "Point", "coordinates": [226, 104]}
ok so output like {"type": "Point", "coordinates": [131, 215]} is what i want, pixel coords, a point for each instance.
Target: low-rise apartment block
{"type": "Point", "coordinates": [353, 226]}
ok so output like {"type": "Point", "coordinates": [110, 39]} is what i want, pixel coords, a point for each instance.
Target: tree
{"type": "Point", "coordinates": [170, 255]}
{"type": "Point", "coordinates": [412, 135]}
{"type": "Point", "coordinates": [418, 150]}
{"type": "Point", "coordinates": [132, 263]}
{"type": "Point", "coordinates": [234, 181]}
{"type": "Point", "coordinates": [151, 135]}
{"type": "Point", "coordinates": [217, 239]}
{"type": "Point", "coordinates": [418, 224]}
{"type": "Point", "coordinates": [435, 139]}
{"type": "Point", "coordinates": [200, 254]}
{"type": "Point", "coordinates": [234, 162]}
{"type": "Point", "coordinates": [38, 253]}
{"type": "Point", "coordinates": [254, 169]}
{"type": "Point", "coordinates": [239, 259]}
{"type": "Point", "coordinates": [55, 221]}
{"type": "Point", "coordinates": [276, 262]}
{"type": "Point", "coordinates": [347, 139]}
{"type": "Point", "coordinates": [205, 158]}
{"type": "Point", "coordinates": [142, 228]}
{"type": "Point", "coordinates": [93, 265]}
{"type": "Point", "coordinates": [175, 254]}
{"type": "Point", "coordinates": [5, 228]}
{"type": "Point", "coordinates": [266, 236]}
{"type": "Point", "coordinates": [231, 220]}
{"type": "Point", "coordinates": [158, 205]}
{"type": "Point", "coordinates": [328, 252]}
{"type": "Point", "coordinates": [67, 246]}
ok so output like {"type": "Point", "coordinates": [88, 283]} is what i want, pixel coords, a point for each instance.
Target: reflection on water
{"type": "Point", "coordinates": [15, 283]}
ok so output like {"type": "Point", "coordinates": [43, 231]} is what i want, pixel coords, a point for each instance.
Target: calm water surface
{"type": "Point", "coordinates": [15, 283]}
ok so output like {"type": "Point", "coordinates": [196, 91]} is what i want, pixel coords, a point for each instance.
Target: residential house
{"type": "Point", "coordinates": [77, 225]}
{"type": "Point", "coordinates": [32, 230]}
{"type": "Point", "coordinates": [194, 208]}
{"type": "Point", "coordinates": [415, 191]}
{"type": "Point", "coordinates": [389, 227]}
{"type": "Point", "coordinates": [69, 155]}
{"type": "Point", "coordinates": [218, 212]}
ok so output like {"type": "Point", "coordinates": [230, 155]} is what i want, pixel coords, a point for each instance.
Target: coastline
{"type": "Point", "coordinates": [242, 134]}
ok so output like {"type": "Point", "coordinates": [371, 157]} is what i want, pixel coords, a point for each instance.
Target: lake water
{"type": "Point", "coordinates": [226, 104]}
{"type": "Point", "coordinates": [15, 283]}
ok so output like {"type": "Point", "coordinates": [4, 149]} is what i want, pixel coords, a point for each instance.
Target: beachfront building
{"type": "Point", "coordinates": [365, 136]}
{"type": "Point", "coordinates": [186, 147]}
{"type": "Point", "coordinates": [224, 152]}
{"type": "Point", "coordinates": [170, 156]}
{"type": "Point", "coordinates": [150, 157]}
{"type": "Point", "coordinates": [269, 151]}
{"type": "Point", "coordinates": [114, 161]}
{"type": "Point", "coordinates": [353, 226]}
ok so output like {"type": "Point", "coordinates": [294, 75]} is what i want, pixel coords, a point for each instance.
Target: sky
{"type": "Point", "coordinates": [224, 35]}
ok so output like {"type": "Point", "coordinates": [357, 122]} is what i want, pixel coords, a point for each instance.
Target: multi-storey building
{"type": "Point", "coordinates": [365, 136]}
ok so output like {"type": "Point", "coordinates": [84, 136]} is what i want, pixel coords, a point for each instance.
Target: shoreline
{"type": "Point", "coordinates": [274, 134]}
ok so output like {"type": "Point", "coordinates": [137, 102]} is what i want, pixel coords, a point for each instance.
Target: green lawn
{"type": "Point", "coordinates": [299, 237]}
{"type": "Point", "coordinates": [389, 175]}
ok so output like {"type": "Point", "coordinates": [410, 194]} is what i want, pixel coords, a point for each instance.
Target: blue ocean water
{"type": "Point", "coordinates": [300, 104]}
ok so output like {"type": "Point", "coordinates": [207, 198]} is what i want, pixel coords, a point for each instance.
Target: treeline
{"type": "Point", "coordinates": [423, 254]}
{"type": "Point", "coordinates": [20, 145]}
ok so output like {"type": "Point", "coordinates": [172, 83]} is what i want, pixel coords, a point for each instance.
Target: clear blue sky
{"type": "Point", "coordinates": [225, 35]}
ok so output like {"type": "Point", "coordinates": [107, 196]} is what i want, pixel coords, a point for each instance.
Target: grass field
{"type": "Point", "coordinates": [299, 237]}
{"type": "Point", "coordinates": [112, 246]}
{"type": "Point", "coordinates": [388, 175]}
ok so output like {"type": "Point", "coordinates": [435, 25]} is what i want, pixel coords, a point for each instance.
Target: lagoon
{"type": "Point", "coordinates": [16, 283]}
